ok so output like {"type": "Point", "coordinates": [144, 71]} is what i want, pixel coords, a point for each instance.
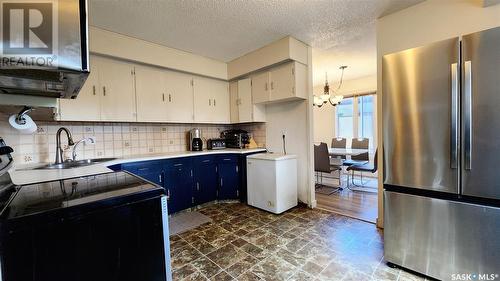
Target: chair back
{"type": "Point", "coordinates": [360, 144]}
{"type": "Point", "coordinates": [321, 158]}
{"type": "Point", "coordinates": [339, 143]}
{"type": "Point", "coordinates": [375, 162]}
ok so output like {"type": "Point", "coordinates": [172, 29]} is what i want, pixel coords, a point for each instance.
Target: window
{"type": "Point", "coordinates": [365, 120]}
{"type": "Point", "coordinates": [355, 118]}
{"type": "Point", "coordinates": [345, 118]}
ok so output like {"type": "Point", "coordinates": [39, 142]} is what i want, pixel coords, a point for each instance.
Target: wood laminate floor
{"type": "Point", "coordinates": [355, 204]}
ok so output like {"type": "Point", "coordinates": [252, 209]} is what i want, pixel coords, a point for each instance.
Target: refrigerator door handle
{"type": "Point", "coordinates": [454, 138]}
{"type": "Point", "coordinates": [468, 115]}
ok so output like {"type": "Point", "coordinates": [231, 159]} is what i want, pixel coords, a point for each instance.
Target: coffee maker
{"type": "Point", "coordinates": [195, 142]}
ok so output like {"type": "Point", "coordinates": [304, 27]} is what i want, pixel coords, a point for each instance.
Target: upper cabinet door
{"type": "Point", "coordinates": [203, 99]}
{"type": "Point", "coordinates": [282, 82]}
{"type": "Point", "coordinates": [179, 96]}
{"type": "Point", "coordinates": [118, 91]}
{"type": "Point", "coordinates": [260, 87]}
{"type": "Point", "coordinates": [151, 95]}
{"type": "Point", "coordinates": [245, 100]}
{"type": "Point", "coordinates": [87, 105]}
{"type": "Point", "coordinates": [234, 102]}
{"type": "Point", "coordinates": [220, 92]}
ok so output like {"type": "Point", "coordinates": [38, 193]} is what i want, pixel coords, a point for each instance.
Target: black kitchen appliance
{"type": "Point", "coordinates": [195, 141]}
{"type": "Point", "coordinates": [110, 226]}
{"type": "Point", "coordinates": [216, 144]}
{"type": "Point", "coordinates": [236, 138]}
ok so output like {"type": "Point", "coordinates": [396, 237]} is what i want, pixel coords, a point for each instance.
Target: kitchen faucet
{"type": "Point", "coordinates": [89, 140]}
{"type": "Point", "coordinates": [59, 150]}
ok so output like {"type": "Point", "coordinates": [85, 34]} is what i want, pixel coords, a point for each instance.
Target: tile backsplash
{"type": "Point", "coordinates": [112, 139]}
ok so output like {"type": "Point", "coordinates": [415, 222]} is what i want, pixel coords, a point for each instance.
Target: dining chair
{"type": "Point", "coordinates": [339, 143]}
{"type": "Point", "coordinates": [362, 158]}
{"type": "Point", "coordinates": [322, 164]}
{"type": "Point", "coordinates": [367, 167]}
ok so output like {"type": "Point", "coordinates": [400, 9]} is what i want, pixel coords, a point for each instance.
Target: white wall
{"type": "Point", "coordinates": [427, 22]}
{"type": "Point", "coordinates": [121, 46]}
{"type": "Point", "coordinates": [324, 126]}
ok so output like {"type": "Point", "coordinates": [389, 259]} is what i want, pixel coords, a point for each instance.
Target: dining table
{"type": "Point", "coordinates": [336, 152]}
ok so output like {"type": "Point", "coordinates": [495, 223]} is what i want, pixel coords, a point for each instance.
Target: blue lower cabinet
{"type": "Point", "coordinates": [205, 179]}
{"type": "Point", "coordinates": [148, 170]}
{"type": "Point", "coordinates": [178, 184]}
{"type": "Point", "coordinates": [229, 177]}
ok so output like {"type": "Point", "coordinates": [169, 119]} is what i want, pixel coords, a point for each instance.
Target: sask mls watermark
{"type": "Point", "coordinates": [28, 34]}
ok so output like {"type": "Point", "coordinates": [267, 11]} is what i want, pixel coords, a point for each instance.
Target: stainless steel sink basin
{"type": "Point", "coordinates": [74, 164]}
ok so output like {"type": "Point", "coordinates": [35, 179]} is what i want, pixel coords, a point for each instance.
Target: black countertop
{"type": "Point", "coordinates": [28, 200]}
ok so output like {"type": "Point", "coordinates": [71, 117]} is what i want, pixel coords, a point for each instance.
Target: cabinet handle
{"type": "Point", "coordinates": [143, 169]}
{"type": "Point", "coordinates": [168, 194]}
{"type": "Point", "coordinates": [93, 90]}
{"type": "Point", "coordinates": [169, 97]}
{"type": "Point", "coordinates": [221, 182]}
{"type": "Point", "coordinates": [104, 90]}
{"type": "Point", "coordinates": [209, 102]}
{"type": "Point", "coordinates": [266, 86]}
{"type": "Point", "coordinates": [272, 85]}
{"type": "Point", "coordinates": [205, 161]}
{"type": "Point", "coordinates": [214, 103]}
{"type": "Point", "coordinates": [159, 178]}
{"type": "Point", "coordinates": [177, 165]}
{"type": "Point", "coordinates": [163, 96]}
{"type": "Point", "coordinates": [198, 186]}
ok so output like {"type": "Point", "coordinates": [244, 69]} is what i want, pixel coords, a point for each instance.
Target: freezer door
{"type": "Point", "coordinates": [420, 117]}
{"type": "Point", "coordinates": [440, 238]}
{"type": "Point", "coordinates": [481, 114]}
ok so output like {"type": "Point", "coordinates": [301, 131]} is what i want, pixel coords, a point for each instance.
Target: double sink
{"type": "Point", "coordinates": [74, 164]}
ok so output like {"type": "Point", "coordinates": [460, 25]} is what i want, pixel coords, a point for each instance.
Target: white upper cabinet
{"type": "Point", "coordinates": [107, 95]}
{"type": "Point", "coordinates": [234, 102]}
{"type": "Point", "coordinates": [151, 99]}
{"type": "Point", "coordinates": [211, 101]}
{"type": "Point", "coordinates": [118, 91]}
{"type": "Point", "coordinates": [284, 82]}
{"type": "Point", "coordinates": [243, 110]}
{"type": "Point", "coordinates": [179, 96]}
{"type": "Point", "coordinates": [87, 105]}
{"type": "Point", "coordinates": [260, 87]}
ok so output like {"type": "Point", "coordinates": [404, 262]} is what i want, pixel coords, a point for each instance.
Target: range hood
{"type": "Point", "coordinates": [58, 65]}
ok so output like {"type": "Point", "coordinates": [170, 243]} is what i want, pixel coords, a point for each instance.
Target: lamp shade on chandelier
{"type": "Point", "coordinates": [326, 96]}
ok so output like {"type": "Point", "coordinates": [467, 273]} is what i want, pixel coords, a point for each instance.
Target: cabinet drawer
{"type": "Point", "coordinates": [178, 163]}
{"type": "Point", "coordinates": [227, 158]}
{"type": "Point", "coordinates": [146, 167]}
{"type": "Point", "coordinates": [203, 160]}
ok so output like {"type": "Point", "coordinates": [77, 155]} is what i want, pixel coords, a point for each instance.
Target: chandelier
{"type": "Point", "coordinates": [326, 96]}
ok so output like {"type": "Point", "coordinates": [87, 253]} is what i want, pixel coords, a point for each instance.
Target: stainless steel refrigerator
{"type": "Point", "coordinates": [441, 124]}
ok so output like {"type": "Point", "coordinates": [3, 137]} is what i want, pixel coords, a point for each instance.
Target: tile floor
{"type": "Point", "coordinates": [245, 243]}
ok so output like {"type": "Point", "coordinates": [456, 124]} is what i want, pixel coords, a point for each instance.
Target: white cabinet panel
{"type": "Point", "coordinates": [282, 82]}
{"type": "Point", "coordinates": [211, 101]}
{"type": "Point", "coordinates": [234, 102]}
{"type": "Point", "coordinates": [179, 97]}
{"type": "Point", "coordinates": [202, 100]}
{"type": "Point", "coordinates": [245, 100]}
{"type": "Point", "coordinates": [87, 105]}
{"type": "Point", "coordinates": [221, 113]}
{"type": "Point", "coordinates": [260, 87]}
{"type": "Point", "coordinates": [151, 99]}
{"type": "Point", "coordinates": [117, 82]}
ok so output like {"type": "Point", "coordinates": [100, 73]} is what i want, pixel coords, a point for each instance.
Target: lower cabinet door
{"type": "Point", "coordinates": [179, 187]}
{"type": "Point", "coordinates": [228, 180]}
{"type": "Point", "coordinates": [205, 180]}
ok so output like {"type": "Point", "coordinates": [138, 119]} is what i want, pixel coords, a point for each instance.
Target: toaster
{"type": "Point", "coordinates": [236, 138]}
{"type": "Point", "coordinates": [216, 144]}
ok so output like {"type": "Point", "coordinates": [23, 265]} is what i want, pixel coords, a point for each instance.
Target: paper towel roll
{"type": "Point", "coordinates": [29, 127]}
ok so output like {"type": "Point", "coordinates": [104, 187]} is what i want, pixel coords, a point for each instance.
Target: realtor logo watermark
{"type": "Point", "coordinates": [474, 276]}
{"type": "Point", "coordinates": [28, 34]}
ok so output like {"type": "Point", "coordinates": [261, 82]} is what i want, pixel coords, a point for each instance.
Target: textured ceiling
{"type": "Point", "coordinates": [226, 29]}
